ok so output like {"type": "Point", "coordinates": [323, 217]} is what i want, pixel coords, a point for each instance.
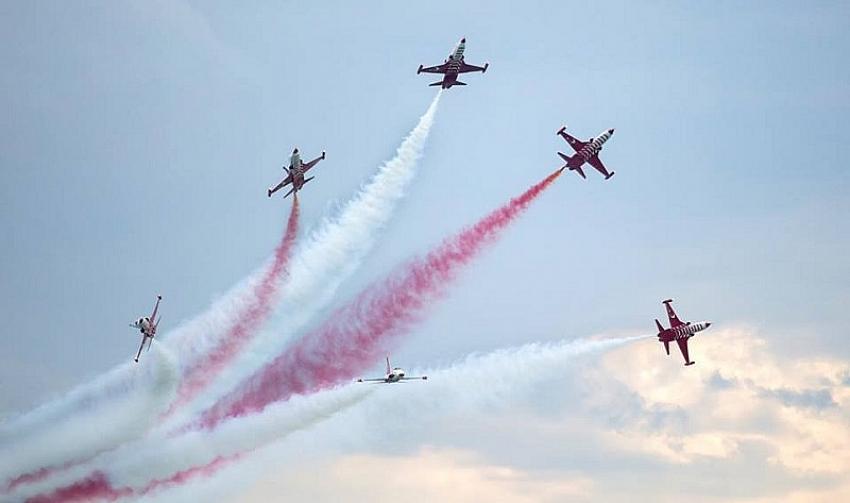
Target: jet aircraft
{"type": "Point", "coordinates": [295, 173]}
{"type": "Point", "coordinates": [679, 331]}
{"type": "Point", "coordinates": [393, 375]}
{"type": "Point", "coordinates": [586, 152]}
{"type": "Point", "coordinates": [147, 326]}
{"type": "Point", "coordinates": [452, 67]}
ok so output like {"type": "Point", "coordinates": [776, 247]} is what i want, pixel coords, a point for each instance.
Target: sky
{"type": "Point", "coordinates": [138, 139]}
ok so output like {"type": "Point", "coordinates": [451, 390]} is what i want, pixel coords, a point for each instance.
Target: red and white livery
{"type": "Point", "coordinates": [453, 66]}
{"type": "Point", "coordinates": [679, 331]}
{"type": "Point", "coordinates": [295, 173]}
{"type": "Point", "coordinates": [586, 152]}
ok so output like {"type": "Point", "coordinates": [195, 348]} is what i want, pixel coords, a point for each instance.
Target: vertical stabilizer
{"type": "Point", "coordinates": [660, 328]}
{"type": "Point", "coordinates": [389, 369]}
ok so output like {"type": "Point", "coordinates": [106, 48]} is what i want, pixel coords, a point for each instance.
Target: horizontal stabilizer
{"type": "Point", "coordinates": [564, 156]}
{"type": "Point", "coordinates": [436, 84]}
{"type": "Point", "coordinates": [660, 328]}
{"type": "Point", "coordinates": [667, 347]}
{"type": "Point", "coordinates": [580, 172]}
{"type": "Point", "coordinates": [459, 83]}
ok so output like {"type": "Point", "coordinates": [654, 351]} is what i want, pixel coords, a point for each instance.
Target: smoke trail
{"type": "Point", "coordinates": [157, 462]}
{"type": "Point", "coordinates": [480, 382]}
{"type": "Point", "coordinates": [83, 424]}
{"type": "Point", "coordinates": [332, 252]}
{"type": "Point", "coordinates": [358, 333]}
{"type": "Point", "coordinates": [330, 255]}
{"type": "Point", "coordinates": [202, 371]}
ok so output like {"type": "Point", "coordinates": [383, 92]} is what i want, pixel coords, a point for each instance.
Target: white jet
{"type": "Point", "coordinates": [393, 375]}
{"type": "Point", "coordinates": [147, 326]}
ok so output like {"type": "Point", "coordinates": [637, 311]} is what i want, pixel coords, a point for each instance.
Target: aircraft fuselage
{"type": "Point", "coordinates": [296, 170]}
{"type": "Point", "coordinates": [684, 331]}
{"type": "Point", "coordinates": [395, 375]}
{"type": "Point", "coordinates": [593, 147]}
{"type": "Point", "coordinates": [453, 65]}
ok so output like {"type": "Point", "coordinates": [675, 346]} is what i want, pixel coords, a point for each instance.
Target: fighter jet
{"type": "Point", "coordinates": [295, 173]}
{"type": "Point", "coordinates": [147, 326]}
{"type": "Point", "coordinates": [679, 331]}
{"type": "Point", "coordinates": [586, 152]}
{"type": "Point", "coordinates": [451, 67]}
{"type": "Point", "coordinates": [393, 375]}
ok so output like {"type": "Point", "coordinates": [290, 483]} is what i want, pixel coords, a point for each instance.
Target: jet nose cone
{"type": "Point", "coordinates": [295, 151]}
{"type": "Point", "coordinates": [707, 324]}
{"type": "Point", "coordinates": [611, 131]}
{"type": "Point", "coordinates": [463, 40]}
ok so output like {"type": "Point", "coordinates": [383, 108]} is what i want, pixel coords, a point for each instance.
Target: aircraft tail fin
{"type": "Point", "coordinates": [660, 328]}
{"type": "Point", "coordinates": [388, 364]}
{"type": "Point", "coordinates": [667, 347]}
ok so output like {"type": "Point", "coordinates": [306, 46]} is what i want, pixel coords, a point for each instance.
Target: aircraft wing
{"type": "Point", "coordinates": [596, 163]}
{"type": "Point", "coordinates": [306, 166]}
{"type": "Point", "coordinates": [574, 142]}
{"type": "Point", "coordinates": [683, 347]}
{"type": "Point", "coordinates": [141, 346]}
{"type": "Point", "coordinates": [464, 68]}
{"type": "Point", "coordinates": [434, 69]}
{"type": "Point", "coordinates": [155, 308]}
{"type": "Point", "coordinates": [671, 315]}
{"type": "Point", "coordinates": [286, 181]}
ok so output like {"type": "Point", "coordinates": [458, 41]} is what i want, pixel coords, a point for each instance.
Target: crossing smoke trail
{"type": "Point", "coordinates": [198, 375]}
{"type": "Point", "coordinates": [331, 254]}
{"type": "Point", "coordinates": [156, 462]}
{"type": "Point", "coordinates": [321, 263]}
{"type": "Point", "coordinates": [83, 424]}
{"type": "Point", "coordinates": [358, 333]}
{"type": "Point", "coordinates": [480, 382]}
{"type": "Point", "coordinates": [202, 371]}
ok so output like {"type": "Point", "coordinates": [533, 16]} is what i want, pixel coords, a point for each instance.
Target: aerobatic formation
{"type": "Point", "coordinates": [290, 383]}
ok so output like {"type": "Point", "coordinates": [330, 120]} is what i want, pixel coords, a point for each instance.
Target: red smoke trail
{"type": "Point", "coordinates": [29, 478]}
{"type": "Point", "coordinates": [245, 325]}
{"type": "Point", "coordinates": [97, 486]}
{"type": "Point", "coordinates": [184, 476]}
{"type": "Point", "coordinates": [357, 334]}
{"type": "Point", "coordinates": [94, 487]}
{"type": "Point", "coordinates": [200, 374]}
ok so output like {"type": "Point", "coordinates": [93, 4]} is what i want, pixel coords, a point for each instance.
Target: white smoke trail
{"type": "Point", "coordinates": [157, 457]}
{"type": "Point", "coordinates": [121, 405]}
{"type": "Point", "coordinates": [329, 256]}
{"type": "Point", "coordinates": [480, 381]}
{"type": "Point", "coordinates": [496, 379]}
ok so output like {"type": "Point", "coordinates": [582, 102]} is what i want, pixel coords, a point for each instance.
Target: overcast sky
{"type": "Point", "coordinates": [137, 140]}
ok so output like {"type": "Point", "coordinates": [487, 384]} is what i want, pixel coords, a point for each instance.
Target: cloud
{"type": "Point", "coordinates": [431, 474]}
{"type": "Point", "coordinates": [740, 392]}
{"type": "Point", "coordinates": [745, 424]}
